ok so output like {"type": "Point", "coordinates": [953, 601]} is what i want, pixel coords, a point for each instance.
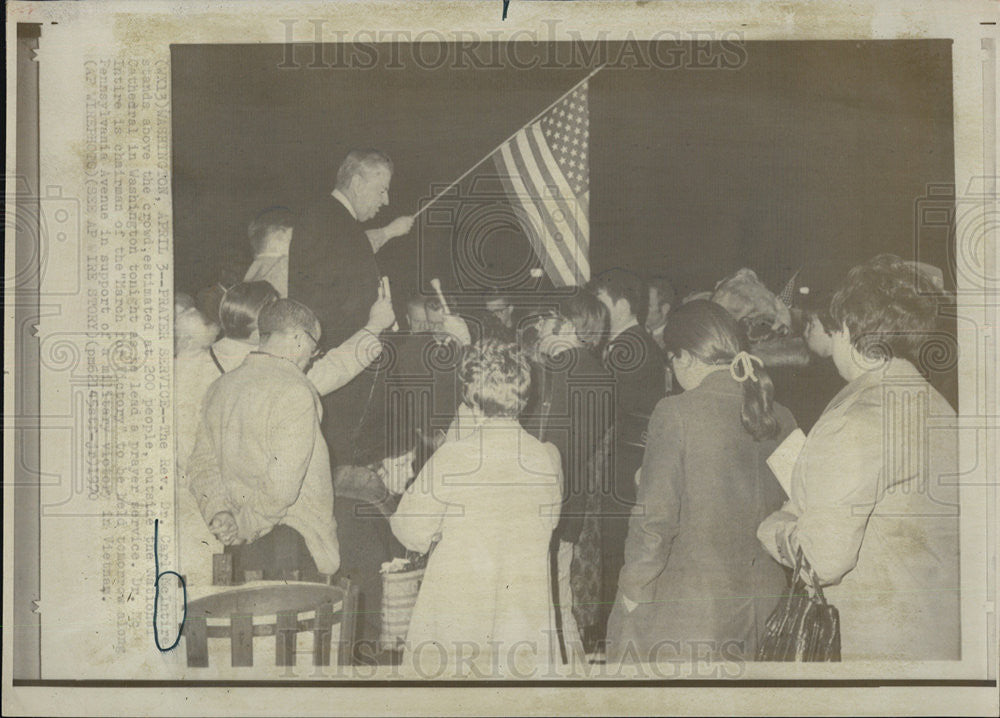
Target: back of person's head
{"type": "Point", "coordinates": [416, 313]}
{"type": "Point", "coordinates": [665, 293]}
{"type": "Point", "coordinates": [182, 302]}
{"type": "Point", "coordinates": [529, 333]}
{"type": "Point", "coordinates": [193, 332]}
{"type": "Point", "coordinates": [272, 219]}
{"type": "Point", "coordinates": [623, 284]}
{"type": "Point", "coordinates": [241, 305]}
{"type": "Point", "coordinates": [287, 316]}
{"type": "Point", "coordinates": [818, 306]}
{"type": "Point", "coordinates": [495, 378]}
{"type": "Point", "coordinates": [433, 304]}
{"type": "Point", "coordinates": [358, 163]}
{"type": "Point", "coordinates": [497, 298]}
{"type": "Point", "coordinates": [889, 305]}
{"type": "Point", "coordinates": [491, 327]}
{"type": "Point", "coordinates": [709, 333]}
{"type": "Point", "coordinates": [499, 306]}
{"type": "Point", "coordinates": [589, 317]}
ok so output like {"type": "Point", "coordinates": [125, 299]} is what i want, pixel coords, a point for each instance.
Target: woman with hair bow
{"type": "Point", "coordinates": [696, 584]}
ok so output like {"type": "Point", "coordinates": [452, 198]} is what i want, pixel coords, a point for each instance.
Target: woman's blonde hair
{"type": "Point", "coordinates": [495, 378]}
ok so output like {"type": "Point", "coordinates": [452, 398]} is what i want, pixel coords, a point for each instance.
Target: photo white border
{"type": "Point", "coordinates": [150, 27]}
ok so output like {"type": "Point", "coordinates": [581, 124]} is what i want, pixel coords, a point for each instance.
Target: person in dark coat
{"type": "Point", "coordinates": [332, 270]}
{"type": "Point", "coordinates": [806, 390]}
{"type": "Point", "coordinates": [696, 584]}
{"type": "Point", "coordinates": [636, 362]}
{"type": "Point", "coordinates": [571, 408]}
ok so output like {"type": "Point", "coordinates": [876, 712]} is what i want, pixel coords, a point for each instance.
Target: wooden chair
{"type": "Point", "coordinates": [330, 604]}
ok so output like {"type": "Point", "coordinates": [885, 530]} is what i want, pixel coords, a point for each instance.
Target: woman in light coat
{"type": "Point", "coordinates": [490, 500]}
{"type": "Point", "coordinates": [874, 504]}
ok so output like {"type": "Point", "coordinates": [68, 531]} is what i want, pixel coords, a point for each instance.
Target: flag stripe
{"type": "Point", "coordinates": [545, 171]}
{"type": "Point", "coordinates": [563, 199]}
{"type": "Point", "coordinates": [537, 231]}
{"type": "Point", "coordinates": [552, 194]}
{"type": "Point", "coordinates": [535, 180]}
{"type": "Point", "coordinates": [565, 245]}
{"type": "Point", "coordinates": [563, 262]}
{"type": "Point", "coordinates": [547, 227]}
{"type": "Point", "coordinates": [565, 191]}
{"type": "Point", "coordinates": [584, 200]}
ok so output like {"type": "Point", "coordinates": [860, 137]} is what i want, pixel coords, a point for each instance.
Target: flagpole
{"type": "Point", "coordinates": [490, 153]}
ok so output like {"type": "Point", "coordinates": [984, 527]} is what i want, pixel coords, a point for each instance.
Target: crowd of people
{"type": "Point", "coordinates": [587, 477]}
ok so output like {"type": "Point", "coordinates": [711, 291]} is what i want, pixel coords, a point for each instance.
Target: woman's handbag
{"type": "Point", "coordinates": [803, 627]}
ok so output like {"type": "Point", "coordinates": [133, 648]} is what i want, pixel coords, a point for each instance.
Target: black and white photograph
{"type": "Point", "coordinates": [609, 288]}
{"type": "Point", "coordinates": [541, 352]}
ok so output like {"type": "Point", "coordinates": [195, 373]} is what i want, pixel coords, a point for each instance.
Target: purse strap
{"type": "Point", "coordinates": [801, 562]}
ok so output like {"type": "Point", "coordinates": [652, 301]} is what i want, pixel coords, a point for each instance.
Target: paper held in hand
{"type": "Point", "coordinates": [782, 461]}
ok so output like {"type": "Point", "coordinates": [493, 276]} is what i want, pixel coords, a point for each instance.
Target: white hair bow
{"type": "Point", "coordinates": [741, 367]}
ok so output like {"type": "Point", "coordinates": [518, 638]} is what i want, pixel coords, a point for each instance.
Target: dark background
{"type": "Point", "coordinates": [809, 154]}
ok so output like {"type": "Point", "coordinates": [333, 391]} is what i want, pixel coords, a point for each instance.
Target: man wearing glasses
{"type": "Point", "coordinates": [260, 470]}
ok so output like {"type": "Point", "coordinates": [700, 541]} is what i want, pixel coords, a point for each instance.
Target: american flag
{"type": "Point", "coordinates": [546, 173]}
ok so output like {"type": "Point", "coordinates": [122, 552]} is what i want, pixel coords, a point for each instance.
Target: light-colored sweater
{"type": "Point", "coordinates": [260, 455]}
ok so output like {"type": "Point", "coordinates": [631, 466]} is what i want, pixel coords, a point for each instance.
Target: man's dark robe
{"type": "Point", "coordinates": [333, 271]}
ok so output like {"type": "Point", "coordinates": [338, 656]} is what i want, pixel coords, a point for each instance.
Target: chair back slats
{"type": "Point", "coordinates": [196, 642]}
{"type": "Point", "coordinates": [241, 638]}
{"type": "Point", "coordinates": [329, 606]}
{"type": "Point", "coordinates": [214, 631]}
{"type": "Point", "coordinates": [322, 627]}
{"type": "Point", "coordinates": [286, 630]}
{"type": "Point", "coordinates": [348, 624]}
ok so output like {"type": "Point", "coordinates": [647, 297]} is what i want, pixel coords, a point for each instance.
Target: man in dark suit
{"type": "Point", "coordinates": [661, 298]}
{"type": "Point", "coordinates": [332, 270]}
{"type": "Point", "coordinates": [636, 362]}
